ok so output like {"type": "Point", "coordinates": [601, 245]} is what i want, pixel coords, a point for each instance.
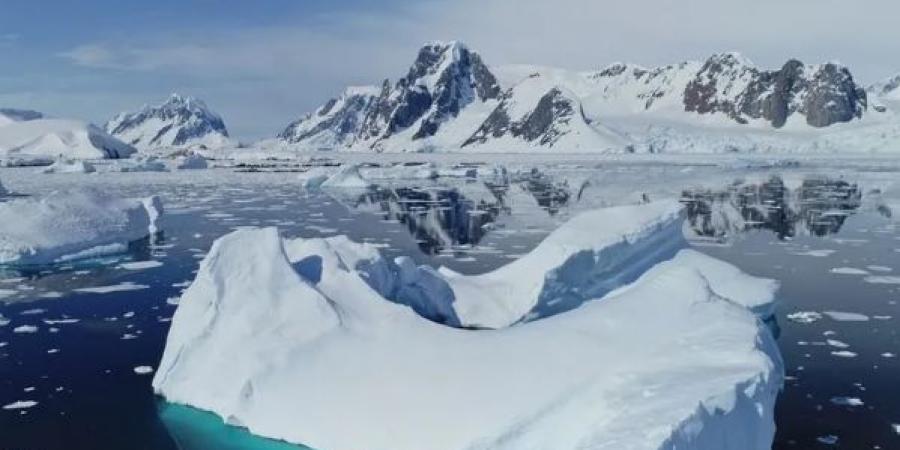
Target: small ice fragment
{"type": "Point", "coordinates": [846, 316]}
{"type": "Point", "coordinates": [848, 271]}
{"type": "Point", "coordinates": [847, 401]}
{"type": "Point", "coordinates": [126, 286]}
{"type": "Point", "coordinates": [25, 329]}
{"type": "Point", "coordinates": [33, 312]}
{"type": "Point", "coordinates": [21, 404]}
{"type": "Point", "coordinates": [882, 279]}
{"type": "Point", "coordinates": [804, 316]}
{"type": "Point", "coordinates": [837, 344]}
{"type": "Point", "coordinates": [140, 265]}
{"type": "Point", "coordinates": [828, 440]}
{"type": "Point", "coordinates": [143, 370]}
{"type": "Point", "coordinates": [844, 354]}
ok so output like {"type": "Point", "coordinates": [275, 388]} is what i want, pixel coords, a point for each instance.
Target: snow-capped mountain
{"type": "Point", "coordinates": [450, 99]}
{"type": "Point", "coordinates": [178, 122]}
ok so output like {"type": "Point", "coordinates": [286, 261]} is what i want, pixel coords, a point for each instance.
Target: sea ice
{"type": "Point", "coordinates": [305, 349]}
{"type": "Point", "coordinates": [21, 404]}
{"type": "Point", "coordinates": [848, 271]}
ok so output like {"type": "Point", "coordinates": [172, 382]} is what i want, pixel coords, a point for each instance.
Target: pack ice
{"type": "Point", "coordinates": [64, 226]}
{"type": "Point", "coordinates": [324, 342]}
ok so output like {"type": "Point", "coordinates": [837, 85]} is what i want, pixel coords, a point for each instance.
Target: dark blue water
{"type": "Point", "coordinates": [83, 377]}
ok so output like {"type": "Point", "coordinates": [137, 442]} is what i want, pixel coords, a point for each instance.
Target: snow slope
{"type": "Point", "coordinates": [295, 340]}
{"type": "Point", "coordinates": [71, 225]}
{"type": "Point", "coordinates": [59, 137]}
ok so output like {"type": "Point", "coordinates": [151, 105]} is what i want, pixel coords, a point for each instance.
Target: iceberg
{"type": "Point", "coordinates": [319, 342]}
{"type": "Point", "coordinates": [58, 137]}
{"type": "Point", "coordinates": [348, 177]}
{"type": "Point", "coordinates": [64, 165]}
{"type": "Point", "coordinates": [191, 162]}
{"type": "Point", "coordinates": [72, 225]}
{"type": "Point", "coordinates": [143, 163]}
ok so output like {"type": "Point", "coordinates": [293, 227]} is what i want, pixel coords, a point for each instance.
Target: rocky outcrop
{"type": "Point", "coordinates": [824, 94]}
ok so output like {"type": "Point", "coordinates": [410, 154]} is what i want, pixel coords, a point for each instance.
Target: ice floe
{"type": "Point", "coordinates": [284, 337]}
{"type": "Point", "coordinates": [71, 225]}
{"type": "Point", "coordinates": [348, 177]}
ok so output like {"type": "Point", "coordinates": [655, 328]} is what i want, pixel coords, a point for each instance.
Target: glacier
{"type": "Point", "coordinates": [42, 137]}
{"type": "Point", "coordinates": [65, 226]}
{"type": "Point", "coordinates": [325, 343]}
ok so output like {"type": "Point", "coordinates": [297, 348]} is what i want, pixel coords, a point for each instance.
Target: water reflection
{"type": "Point", "coordinates": [437, 218]}
{"type": "Point", "coordinates": [818, 207]}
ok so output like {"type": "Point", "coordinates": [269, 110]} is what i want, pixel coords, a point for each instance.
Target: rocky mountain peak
{"type": "Point", "coordinates": [180, 120]}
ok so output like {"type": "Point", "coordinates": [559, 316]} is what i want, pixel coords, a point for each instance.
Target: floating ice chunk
{"type": "Point", "coordinates": [348, 177]}
{"type": "Point", "coordinates": [879, 268]}
{"type": "Point", "coordinates": [141, 265]}
{"type": "Point", "coordinates": [142, 164]}
{"type": "Point", "coordinates": [192, 161]}
{"type": "Point", "coordinates": [4, 293]}
{"type": "Point", "coordinates": [828, 439]}
{"type": "Point", "coordinates": [804, 316]}
{"type": "Point", "coordinates": [68, 225]}
{"type": "Point", "coordinates": [70, 166]}
{"type": "Point", "coordinates": [313, 178]}
{"type": "Point", "coordinates": [824, 253]}
{"type": "Point", "coordinates": [25, 329]}
{"type": "Point", "coordinates": [847, 401]}
{"type": "Point", "coordinates": [848, 271]}
{"type": "Point", "coordinates": [836, 343]}
{"type": "Point", "coordinates": [121, 287]}
{"type": "Point", "coordinates": [846, 316]}
{"type": "Point", "coordinates": [283, 346]}
{"type": "Point", "coordinates": [3, 321]}
{"type": "Point", "coordinates": [882, 279]}
{"type": "Point", "coordinates": [143, 370]}
{"type": "Point", "coordinates": [844, 354]}
{"type": "Point", "coordinates": [21, 404]}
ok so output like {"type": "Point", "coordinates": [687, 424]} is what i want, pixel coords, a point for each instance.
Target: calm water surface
{"type": "Point", "coordinates": [79, 364]}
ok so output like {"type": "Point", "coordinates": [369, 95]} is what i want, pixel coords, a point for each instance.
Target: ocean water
{"type": "Point", "coordinates": [98, 324]}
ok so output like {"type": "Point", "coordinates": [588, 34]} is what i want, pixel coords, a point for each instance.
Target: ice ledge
{"type": "Point", "coordinates": [309, 350]}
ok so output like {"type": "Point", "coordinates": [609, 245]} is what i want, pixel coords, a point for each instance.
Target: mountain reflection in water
{"type": "Point", "coordinates": [818, 207]}
{"type": "Point", "coordinates": [440, 218]}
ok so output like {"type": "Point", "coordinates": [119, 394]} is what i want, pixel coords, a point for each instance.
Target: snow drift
{"type": "Point", "coordinates": [64, 226]}
{"type": "Point", "coordinates": [298, 340]}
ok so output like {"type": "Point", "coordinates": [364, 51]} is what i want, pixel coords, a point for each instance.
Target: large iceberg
{"type": "Point", "coordinates": [65, 226]}
{"type": "Point", "coordinates": [58, 137]}
{"type": "Point", "coordinates": [316, 341]}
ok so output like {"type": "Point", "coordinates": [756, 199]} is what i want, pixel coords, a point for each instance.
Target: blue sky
{"type": "Point", "coordinates": [263, 63]}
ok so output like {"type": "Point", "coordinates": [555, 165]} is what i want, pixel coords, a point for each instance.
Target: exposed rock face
{"type": "Point", "coordinates": [824, 94]}
{"type": "Point", "coordinates": [450, 98]}
{"type": "Point", "coordinates": [336, 123]}
{"type": "Point", "coordinates": [178, 122]}
{"type": "Point", "coordinates": [444, 79]}
{"type": "Point", "coordinates": [545, 124]}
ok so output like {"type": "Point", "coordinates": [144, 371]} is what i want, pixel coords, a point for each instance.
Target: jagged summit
{"type": "Point", "coordinates": [449, 98]}
{"type": "Point", "coordinates": [177, 122]}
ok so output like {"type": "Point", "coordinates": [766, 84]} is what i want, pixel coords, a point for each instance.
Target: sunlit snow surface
{"type": "Point", "coordinates": [87, 390]}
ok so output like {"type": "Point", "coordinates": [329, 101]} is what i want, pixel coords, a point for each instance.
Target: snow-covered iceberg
{"type": "Point", "coordinates": [58, 137]}
{"type": "Point", "coordinates": [65, 226]}
{"type": "Point", "coordinates": [298, 340]}
{"type": "Point", "coordinates": [348, 177]}
{"type": "Point", "coordinates": [192, 161]}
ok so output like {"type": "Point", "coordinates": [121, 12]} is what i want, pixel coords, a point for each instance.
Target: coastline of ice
{"type": "Point", "coordinates": [63, 226]}
{"type": "Point", "coordinates": [298, 340]}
